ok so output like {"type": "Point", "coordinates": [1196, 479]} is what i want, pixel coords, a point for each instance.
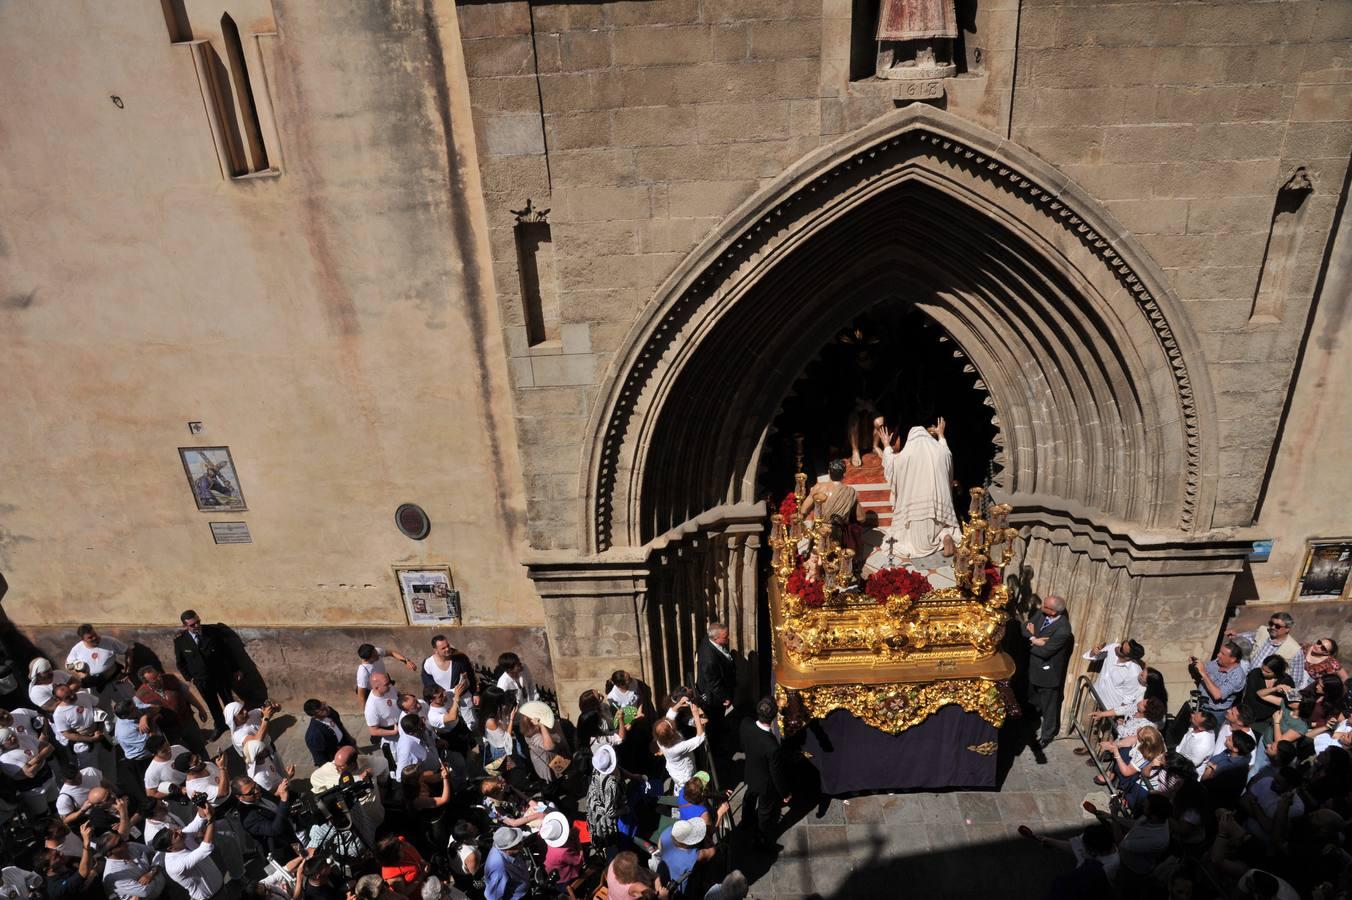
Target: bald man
{"type": "Point", "coordinates": [1049, 637]}
{"type": "Point", "coordinates": [347, 767]}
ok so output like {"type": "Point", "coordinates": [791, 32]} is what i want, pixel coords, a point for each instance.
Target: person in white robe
{"type": "Point", "coordinates": [920, 477]}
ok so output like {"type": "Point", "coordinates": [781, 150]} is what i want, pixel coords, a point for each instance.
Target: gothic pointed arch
{"type": "Point", "coordinates": [1099, 387]}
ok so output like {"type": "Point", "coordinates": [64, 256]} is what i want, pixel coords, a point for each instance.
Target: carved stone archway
{"type": "Point", "coordinates": [1101, 393]}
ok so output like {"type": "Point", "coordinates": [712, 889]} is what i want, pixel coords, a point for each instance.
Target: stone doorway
{"type": "Point", "coordinates": [1100, 396]}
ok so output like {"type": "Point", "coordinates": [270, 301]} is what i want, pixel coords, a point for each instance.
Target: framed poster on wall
{"type": "Point", "coordinates": [429, 595]}
{"type": "Point", "coordinates": [1324, 575]}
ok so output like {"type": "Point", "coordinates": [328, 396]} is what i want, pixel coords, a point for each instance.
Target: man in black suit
{"type": "Point", "coordinates": [716, 682]}
{"type": "Point", "coordinates": [204, 656]}
{"type": "Point", "coordinates": [767, 783]}
{"type": "Point", "coordinates": [326, 733]}
{"type": "Point", "coordinates": [1049, 638]}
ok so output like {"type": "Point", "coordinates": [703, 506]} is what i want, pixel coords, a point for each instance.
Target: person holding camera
{"type": "Point", "coordinates": [265, 818]}
{"type": "Point", "coordinates": [129, 870]}
{"type": "Point", "coordinates": [1220, 684]}
{"type": "Point", "coordinates": [106, 659]}
{"type": "Point", "coordinates": [193, 870]}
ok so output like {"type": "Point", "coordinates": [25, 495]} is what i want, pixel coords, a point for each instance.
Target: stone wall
{"type": "Point", "coordinates": [331, 320]}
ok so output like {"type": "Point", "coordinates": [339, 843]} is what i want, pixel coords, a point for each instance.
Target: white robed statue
{"type": "Point", "coordinates": [920, 478]}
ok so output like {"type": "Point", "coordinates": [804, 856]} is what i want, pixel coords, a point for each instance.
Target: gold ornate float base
{"type": "Point", "coordinates": [891, 707]}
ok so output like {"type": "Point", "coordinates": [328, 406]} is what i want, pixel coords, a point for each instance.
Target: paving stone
{"type": "Point", "coordinates": [978, 808]}
{"type": "Point", "coordinates": [827, 840]}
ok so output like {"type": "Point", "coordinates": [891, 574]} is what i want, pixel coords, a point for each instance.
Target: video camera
{"type": "Point", "coordinates": [331, 807]}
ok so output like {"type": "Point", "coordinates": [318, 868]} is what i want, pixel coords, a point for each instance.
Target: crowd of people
{"type": "Point", "coordinates": [1246, 791]}
{"type": "Point", "coordinates": [456, 783]}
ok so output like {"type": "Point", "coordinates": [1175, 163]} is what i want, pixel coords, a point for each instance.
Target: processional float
{"type": "Point", "coordinates": [867, 667]}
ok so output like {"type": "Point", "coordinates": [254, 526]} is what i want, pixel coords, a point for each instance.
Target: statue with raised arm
{"type": "Point", "coordinates": [920, 476]}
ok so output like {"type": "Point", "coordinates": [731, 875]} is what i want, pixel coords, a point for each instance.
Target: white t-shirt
{"type": "Point", "coordinates": [523, 684]}
{"type": "Point", "coordinates": [28, 726]}
{"type": "Point", "coordinates": [623, 698]}
{"type": "Point", "coordinates": [155, 826]}
{"type": "Point", "coordinates": [412, 751]}
{"type": "Point", "coordinates": [75, 716]}
{"type": "Point", "coordinates": [72, 796]}
{"type": "Point", "coordinates": [208, 784]}
{"type": "Point", "coordinates": [160, 771]}
{"type": "Point", "coordinates": [436, 716]}
{"type": "Point", "coordinates": [1330, 738]}
{"type": "Point", "coordinates": [384, 712]}
{"type": "Point", "coordinates": [1197, 747]}
{"type": "Point", "coordinates": [13, 761]}
{"type": "Point", "coordinates": [263, 767]}
{"type": "Point", "coordinates": [120, 875]}
{"type": "Point", "coordinates": [681, 760]}
{"type": "Point", "coordinates": [41, 694]}
{"type": "Point", "coordinates": [443, 678]}
{"type": "Point", "coordinates": [194, 871]}
{"type": "Point", "coordinates": [251, 723]}
{"type": "Point", "coordinates": [366, 669]}
{"type": "Point", "coordinates": [100, 659]}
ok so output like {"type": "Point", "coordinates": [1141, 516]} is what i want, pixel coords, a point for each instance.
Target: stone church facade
{"type": "Point", "coordinates": [550, 270]}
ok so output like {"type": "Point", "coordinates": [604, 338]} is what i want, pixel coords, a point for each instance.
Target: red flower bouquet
{"type": "Point", "coordinates": [809, 592]}
{"type": "Point", "coordinates": [896, 582]}
{"type": "Point", "coordinates": [789, 508]}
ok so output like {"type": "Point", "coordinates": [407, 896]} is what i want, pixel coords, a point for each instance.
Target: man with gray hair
{"type": "Point", "coordinates": [1049, 638]}
{"type": "Point", "coordinates": [716, 683]}
{"type": "Point", "coordinates": [1274, 639]}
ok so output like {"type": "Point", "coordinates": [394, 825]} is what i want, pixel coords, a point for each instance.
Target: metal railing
{"type": "Point", "coordinates": [1085, 701]}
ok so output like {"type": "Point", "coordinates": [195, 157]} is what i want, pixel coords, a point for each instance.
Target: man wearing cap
{"type": "Point", "coordinates": [161, 776]}
{"type": "Point", "coordinates": [563, 858]}
{"type": "Point", "coordinates": [204, 656]}
{"type": "Point", "coordinates": [26, 765]}
{"type": "Point", "coordinates": [506, 874]}
{"type": "Point", "coordinates": [681, 850]}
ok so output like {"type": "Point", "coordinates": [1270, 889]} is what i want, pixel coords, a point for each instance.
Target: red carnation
{"type": "Point", "coordinates": [809, 592]}
{"type": "Point", "coordinates": [896, 582]}
{"type": "Point", "coordinates": [789, 508]}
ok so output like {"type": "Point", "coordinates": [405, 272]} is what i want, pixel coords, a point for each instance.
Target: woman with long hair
{"type": "Point", "coordinates": [1318, 658]}
{"type": "Point", "coordinates": [1142, 769]}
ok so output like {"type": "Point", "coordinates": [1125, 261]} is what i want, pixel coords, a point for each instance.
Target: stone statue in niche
{"type": "Point", "coordinates": [915, 39]}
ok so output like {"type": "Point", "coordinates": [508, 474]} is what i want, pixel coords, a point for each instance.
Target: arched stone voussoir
{"type": "Point", "coordinates": [1132, 394]}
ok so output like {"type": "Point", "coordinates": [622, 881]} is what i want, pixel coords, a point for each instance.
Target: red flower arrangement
{"type": "Point", "coordinates": [809, 592]}
{"type": "Point", "coordinates": [789, 508]}
{"type": "Point", "coordinates": [896, 582]}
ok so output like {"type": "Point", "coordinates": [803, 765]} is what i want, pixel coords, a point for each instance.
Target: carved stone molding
{"type": "Point", "coordinates": [748, 243]}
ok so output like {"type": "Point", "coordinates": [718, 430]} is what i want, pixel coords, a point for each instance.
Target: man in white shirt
{"type": "Point", "coordinates": [42, 678]}
{"type": "Point", "coordinates": [73, 796]}
{"type": "Point", "coordinates": [445, 667]}
{"type": "Point", "coordinates": [78, 726]}
{"type": "Point", "coordinates": [192, 870]}
{"type": "Point", "coordinates": [106, 657]}
{"type": "Point", "coordinates": [373, 661]}
{"type": "Point", "coordinates": [161, 770]}
{"type": "Point", "coordinates": [382, 712]}
{"type": "Point", "coordinates": [415, 747]}
{"type": "Point", "coordinates": [35, 782]}
{"type": "Point", "coordinates": [129, 871]}
{"type": "Point", "coordinates": [1119, 681]}
{"type": "Point", "coordinates": [1199, 744]}
{"type": "Point", "coordinates": [210, 779]}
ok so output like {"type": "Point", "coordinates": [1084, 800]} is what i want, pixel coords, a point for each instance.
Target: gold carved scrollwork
{"type": "Point", "coordinates": [985, 749]}
{"type": "Point", "coordinates": [893, 707]}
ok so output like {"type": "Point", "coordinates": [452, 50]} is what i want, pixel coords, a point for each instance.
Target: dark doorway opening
{"type": "Point", "coordinates": [907, 369]}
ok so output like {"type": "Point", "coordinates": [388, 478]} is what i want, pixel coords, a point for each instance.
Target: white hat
{"type": "Point", "coordinates": [538, 711]}
{"type": "Point", "coordinates": [167, 787]}
{"type": "Point", "coordinates": [555, 829]}
{"type": "Point", "coordinates": [505, 838]}
{"type": "Point", "coordinates": [5, 735]}
{"type": "Point", "coordinates": [603, 760]}
{"type": "Point", "coordinates": [38, 667]}
{"type": "Point", "coordinates": [689, 832]}
{"type": "Point", "coordinates": [231, 711]}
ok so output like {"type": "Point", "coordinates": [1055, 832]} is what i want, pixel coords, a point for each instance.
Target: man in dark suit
{"type": "Point", "coordinates": [1049, 639]}
{"type": "Point", "coordinates": [204, 656]}
{"type": "Point", "coordinates": [326, 733]}
{"type": "Point", "coordinates": [766, 776]}
{"type": "Point", "coordinates": [716, 682]}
